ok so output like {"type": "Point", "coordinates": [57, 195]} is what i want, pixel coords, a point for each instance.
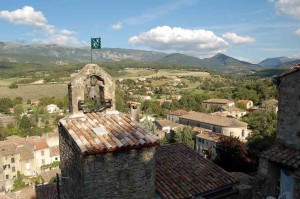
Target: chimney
{"type": "Point", "coordinates": [134, 111]}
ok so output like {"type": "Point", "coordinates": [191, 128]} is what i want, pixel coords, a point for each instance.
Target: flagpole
{"type": "Point", "coordinates": [91, 55]}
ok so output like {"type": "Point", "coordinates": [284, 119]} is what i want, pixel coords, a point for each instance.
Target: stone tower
{"type": "Point", "coordinates": [280, 165]}
{"type": "Point", "coordinates": [104, 154]}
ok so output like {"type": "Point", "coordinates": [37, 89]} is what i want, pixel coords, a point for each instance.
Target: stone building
{"type": "Point", "coordinates": [104, 154]}
{"type": "Point", "coordinates": [215, 103]}
{"type": "Point", "coordinates": [217, 124]}
{"type": "Point", "coordinates": [174, 115]}
{"type": "Point", "coordinates": [247, 103]}
{"type": "Point", "coordinates": [280, 165]}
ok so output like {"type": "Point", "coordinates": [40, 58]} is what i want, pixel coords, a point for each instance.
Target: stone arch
{"type": "Point", "coordinates": [77, 86]}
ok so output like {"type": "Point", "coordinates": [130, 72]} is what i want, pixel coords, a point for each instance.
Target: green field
{"type": "Point", "coordinates": [35, 92]}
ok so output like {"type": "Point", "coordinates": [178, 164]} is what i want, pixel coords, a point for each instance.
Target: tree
{"type": "Point", "coordinates": [185, 135]}
{"type": "Point", "coordinates": [263, 126]}
{"type": "Point", "coordinates": [241, 106]}
{"type": "Point", "coordinates": [5, 105]}
{"type": "Point", "coordinates": [18, 182]}
{"type": "Point", "coordinates": [13, 85]}
{"type": "Point", "coordinates": [18, 109]}
{"type": "Point", "coordinates": [232, 154]}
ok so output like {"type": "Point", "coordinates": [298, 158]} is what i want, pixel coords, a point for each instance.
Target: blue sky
{"type": "Point", "coordinates": [247, 30]}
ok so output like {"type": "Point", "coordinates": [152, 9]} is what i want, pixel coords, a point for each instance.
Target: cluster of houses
{"type": "Point", "coordinates": [27, 155]}
{"type": "Point", "coordinates": [208, 127]}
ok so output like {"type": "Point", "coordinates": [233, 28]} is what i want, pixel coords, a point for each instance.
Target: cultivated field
{"type": "Point", "coordinates": [35, 92]}
{"type": "Point", "coordinates": [137, 73]}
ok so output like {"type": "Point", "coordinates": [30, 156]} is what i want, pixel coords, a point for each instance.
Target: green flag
{"type": "Point", "coordinates": [96, 43]}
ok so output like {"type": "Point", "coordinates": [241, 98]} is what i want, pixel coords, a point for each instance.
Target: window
{"type": "Point", "coordinates": [231, 133]}
{"type": "Point", "coordinates": [243, 133]}
{"type": "Point", "coordinates": [42, 152]}
{"type": "Point", "coordinates": [56, 158]}
{"type": "Point", "coordinates": [7, 177]}
{"type": "Point", "coordinates": [12, 160]}
{"type": "Point", "coordinates": [13, 169]}
{"type": "Point", "coordinates": [43, 161]}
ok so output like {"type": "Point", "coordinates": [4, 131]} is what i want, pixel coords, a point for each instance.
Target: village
{"type": "Point", "coordinates": [34, 160]}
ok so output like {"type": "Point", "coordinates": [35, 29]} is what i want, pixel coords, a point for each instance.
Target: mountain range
{"type": "Point", "coordinates": [278, 62]}
{"type": "Point", "coordinates": [46, 54]}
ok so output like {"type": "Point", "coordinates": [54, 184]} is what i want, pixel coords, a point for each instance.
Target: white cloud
{"type": "Point", "coordinates": [27, 16]}
{"type": "Point", "coordinates": [117, 26]}
{"type": "Point", "coordinates": [297, 32]}
{"type": "Point", "coordinates": [30, 17]}
{"type": "Point", "coordinates": [288, 7]}
{"type": "Point", "coordinates": [238, 39]}
{"type": "Point", "coordinates": [67, 32]}
{"type": "Point", "coordinates": [198, 42]}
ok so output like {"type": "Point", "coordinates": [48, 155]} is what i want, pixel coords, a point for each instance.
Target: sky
{"type": "Point", "coordinates": [246, 30]}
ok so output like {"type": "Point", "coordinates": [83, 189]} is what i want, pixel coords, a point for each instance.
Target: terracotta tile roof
{"type": "Point", "coordinates": [26, 193]}
{"type": "Point", "coordinates": [164, 123]}
{"type": "Point", "coordinates": [214, 119]}
{"type": "Point", "coordinates": [37, 142]}
{"type": "Point", "coordinates": [16, 140]}
{"type": "Point", "coordinates": [243, 101]}
{"type": "Point", "coordinates": [209, 136]}
{"type": "Point", "coordinates": [218, 101]}
{"type": "Point", "coordinates": [25, 153]}
{"type": "Point", "coordinates": [47, 175]}
{"type": "Point", "coordinates": [183, 173]}
{"type": "Point", "coordinates": [282, 155]}
{"type": "Point", "coordinates": [48, 191]}
{"type": "Point", "coordinates": [99, 132]}
{"type": "Point", "coordinates": [54, 151]}
{"type": "Point", "coordinates": [7, 148]}
{"type": "Point", "coordinates": [179, 112]}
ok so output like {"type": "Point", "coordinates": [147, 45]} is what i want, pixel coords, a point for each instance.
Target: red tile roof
{"type": "Point", "coordinates": [183, 173]}
{"type": "Point", "coordinates": [25, 153]}
{"type": "Point", "coordinates": [54, 151]}
{"type": "Point", "coordinates": [37, 142]}
{"type": "Point", "coordinates": [99, 132]}
{"type": "Point", "coordinates": [179, 112]}
{"type": "Point", "coordinates": [282, 155]}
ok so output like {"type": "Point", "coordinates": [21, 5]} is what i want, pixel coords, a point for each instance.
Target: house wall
{"type": "Point", "coordinates": [288, 130]}
{"type": "Point", "coordinates": [205, 144]}
{"type": "Point", "coordinates": [233, 131]}
{"type": "Point", "coordinates": [236, 132]}
{"type": "Point", "coordinates": [173, 118]}
{"type": "Point", "coordinates": [39, 158]}
{"type": "Point", "coordinates": [28, 167]}
{"type": "Point", "coordinates": [11, 168]}
{"type": "Point", "coordinates": [125, 174]}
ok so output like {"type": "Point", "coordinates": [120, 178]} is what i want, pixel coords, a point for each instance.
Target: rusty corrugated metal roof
{"type": "Point", "coordinates": [99, 132]}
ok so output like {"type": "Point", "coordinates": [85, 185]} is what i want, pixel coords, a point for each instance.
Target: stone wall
{"type": "Point", "coordinates": [70, 165]}
{"type": "Point", "coordinates": [289, 110]}
{"type": "Point", "coordinates": [77, 86]}
{"type": "Point", "coordinates": [124, 174]}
